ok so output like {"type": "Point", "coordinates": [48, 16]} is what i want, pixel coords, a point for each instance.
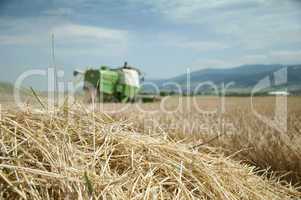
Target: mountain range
{"type": "Point", "coordinates": [243, 79]}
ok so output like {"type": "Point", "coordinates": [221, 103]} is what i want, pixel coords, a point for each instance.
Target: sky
{"type": "Point", "coordinates": [161, 37]}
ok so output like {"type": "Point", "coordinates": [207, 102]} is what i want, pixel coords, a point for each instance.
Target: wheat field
{"type": "Point", "coordinates": [166, 150]}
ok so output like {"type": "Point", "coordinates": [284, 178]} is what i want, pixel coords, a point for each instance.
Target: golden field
{"type": "Point", "coordinates": [199, 148]}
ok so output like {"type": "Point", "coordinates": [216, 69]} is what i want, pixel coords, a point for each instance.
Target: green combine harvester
{"type": "Point", "coordinates": [114, 85]}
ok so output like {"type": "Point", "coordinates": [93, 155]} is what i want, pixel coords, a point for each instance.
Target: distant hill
{"type": "Point", "coordinates": [245, 77]}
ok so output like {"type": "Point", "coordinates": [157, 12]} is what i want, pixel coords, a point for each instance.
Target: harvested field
{"type": "Point", "coordinates": [79, 154]}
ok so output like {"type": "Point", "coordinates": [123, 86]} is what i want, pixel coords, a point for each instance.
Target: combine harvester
{"type": "Point", "coordinates": [114, 85]}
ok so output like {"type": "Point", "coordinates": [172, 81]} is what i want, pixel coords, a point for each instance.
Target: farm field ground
{"type": "Point", "coordinates": [181, 148]}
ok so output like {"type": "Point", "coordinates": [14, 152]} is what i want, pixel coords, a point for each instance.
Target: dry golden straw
{"type": "Point", "coordinates": [99, 156]}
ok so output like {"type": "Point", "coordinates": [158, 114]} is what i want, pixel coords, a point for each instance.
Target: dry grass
{"type": "Point", "coordinates": [119, 156]}
{"type": "Point", "coordinates": [240, 133]}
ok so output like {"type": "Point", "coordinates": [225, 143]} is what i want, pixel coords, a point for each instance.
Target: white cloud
{"type": "Point", "coordinates": [210, 63]}
{"type": "Point", "coordinates": [192, 44]}
{"type": "Point", "coordinates": [201, 46]}
{"type": "Point", "coordinates": [287, 57]}
{"type": "Point", "coordinates": [198, 11]}
{"type": "Point", "coordinates": [75, 32]}
{"type": "Point", "coordinates": [253, 59]}
{"type": "Point", "coordinates": [27, 31]}
{"type": "Point", "coordinates": [74, 39]}
{"type": "Point", "coordinates": [16, 40]}
{"type": "Point", "coordinates": [273, 57]}
{"type": "Point", "coordinates": [59, 12]}
{"type": "Point", "coordinates": [68, 36]}
{"type": "Point", "coordinates": [248, 24]}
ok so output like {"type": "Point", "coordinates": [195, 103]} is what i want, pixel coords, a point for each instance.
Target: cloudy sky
{"type": "Point", "coordinates": [161, 37]}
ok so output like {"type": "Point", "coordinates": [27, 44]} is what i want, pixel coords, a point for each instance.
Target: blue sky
{"type": "Point", "coordinates": [161, 37]}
